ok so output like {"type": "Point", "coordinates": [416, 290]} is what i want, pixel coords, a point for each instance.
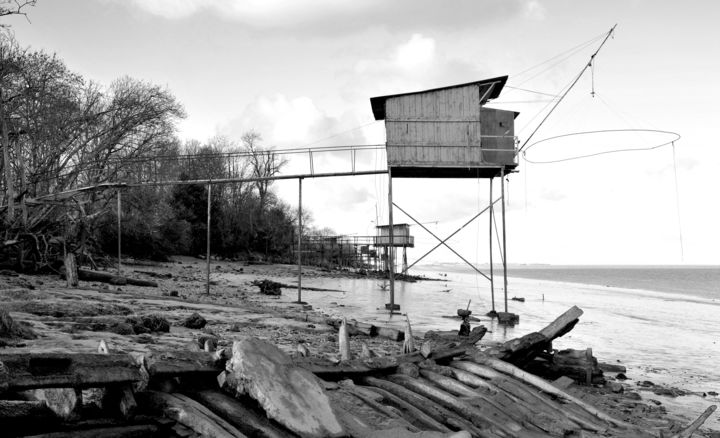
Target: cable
{"type": "Point", "coordinates": [602, 131]}
{"type": "Point", "coordinates": [589, 64]}
{"type": "Point", "coordinates": [677, 204]}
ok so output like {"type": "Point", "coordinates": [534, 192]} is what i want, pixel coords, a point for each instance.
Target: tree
{"type": "Point", "coordinates": [14, 7]}
{"type": "Point", "coordinates": [264, 163]}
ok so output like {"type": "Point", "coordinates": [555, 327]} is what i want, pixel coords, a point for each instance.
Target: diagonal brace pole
{"type": "Point", "coordinates": [442, 242]}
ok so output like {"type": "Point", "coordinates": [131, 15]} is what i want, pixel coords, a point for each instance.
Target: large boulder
{"type": "Point", "coordinates": [290, 395]}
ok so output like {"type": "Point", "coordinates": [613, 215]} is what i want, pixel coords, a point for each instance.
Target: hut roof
{"type": "Point", "coordinates": [497, 84]}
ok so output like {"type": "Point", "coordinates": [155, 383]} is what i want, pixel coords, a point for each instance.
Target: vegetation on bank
{"type": "Point", "coordinates": [62, 131]}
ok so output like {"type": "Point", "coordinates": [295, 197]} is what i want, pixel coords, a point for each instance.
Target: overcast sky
{"type": "Point", "coordinates": [300, 72]}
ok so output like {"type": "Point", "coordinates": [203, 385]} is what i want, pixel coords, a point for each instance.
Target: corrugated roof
{"type": "Point", "coordinates": [378, 103]}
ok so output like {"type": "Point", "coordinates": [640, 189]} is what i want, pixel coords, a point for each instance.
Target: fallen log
{"type": "Point", "coordinates": [546, 387]}
{"type": "Point", "coordinates": [289, 394]}
{"type": "Point", "coordinates": [245, 420]}
{"type": "Point", "coordinates": [106, 277]}
{"type": "Point", "coordinates": [424, 404]}
{"type": "Point", "coordinates": [61, 370]}
{"type": "Point", "coordinates": [188, 413]}
{"type": "Point", "coordinates": [137, 431]}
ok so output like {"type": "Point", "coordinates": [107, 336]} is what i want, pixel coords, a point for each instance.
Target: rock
{"type": "Point", "coordinates": [65, 402]}
{"type": "Point", "coordinates": [121, 328]}
{"type": "Point", "coordinates": [11, 329]}
{"type": "Point", "coordinates": [615, 387]}
{"type": "Point", "coordinates": [633, 396]}
{"type": "Point", "coordinates": [148, 323]}
{"type": "Point", "coordinates": [173, 293]}
{"type": "Point", "coordinates": [205, 337]}
{"type": "Point", "coordinates": [621, 376]}
{"type": "Point", "coordinates": [290, 395]}
{"type": "Point", "coordinates": [408, 369]}
{"type": "Point", "coordinates": [195, 321]}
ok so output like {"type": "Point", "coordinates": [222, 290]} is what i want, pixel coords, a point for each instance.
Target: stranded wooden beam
{"type": "Point", "coordinates": [106, 277]}
{"type": "Point", "coordinates": [62, 370]}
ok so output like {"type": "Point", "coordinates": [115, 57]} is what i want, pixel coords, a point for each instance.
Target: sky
{"type": "Point", "coordinates": [301, 73]}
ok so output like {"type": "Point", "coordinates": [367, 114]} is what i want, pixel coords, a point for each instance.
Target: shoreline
{"type": "Point", "coordinates": [64, 318]}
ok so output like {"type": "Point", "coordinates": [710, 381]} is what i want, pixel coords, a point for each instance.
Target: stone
{"type": "Point", "coordinates": [290, 395]}
{"type": "Point", "coordinates": [195, 321]}
{"type": "Point", "coordinates": [408, 369]}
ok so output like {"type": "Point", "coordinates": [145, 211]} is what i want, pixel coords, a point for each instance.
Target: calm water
{"type": "Point", "coordinates": [663, 324]}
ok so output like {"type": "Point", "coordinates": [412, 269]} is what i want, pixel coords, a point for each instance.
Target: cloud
{"type": "Point", "coordinates": [535, 11]}
{"type": "Point", "coordinates": [343, 16]}
{"type": "Point", "coordinates": [288, 122]}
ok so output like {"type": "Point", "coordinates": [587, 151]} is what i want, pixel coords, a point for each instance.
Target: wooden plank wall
{"type": "Point", "coordinates": [440, 129]}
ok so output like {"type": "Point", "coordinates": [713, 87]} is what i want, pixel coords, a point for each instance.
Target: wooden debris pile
{"type": "Point", "coordinates": [257, 390]}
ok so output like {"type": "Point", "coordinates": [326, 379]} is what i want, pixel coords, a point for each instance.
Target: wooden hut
{"type": "Point", "coordinates": [447, 132]}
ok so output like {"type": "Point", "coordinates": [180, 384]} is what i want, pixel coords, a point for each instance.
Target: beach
{"type": "Point", "coordinates": [642, 330]}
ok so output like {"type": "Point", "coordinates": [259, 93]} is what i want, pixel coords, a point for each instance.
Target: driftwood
{"type": "Point", "coordinates": [409, 342]}
{"type": "Point", "coordinates": [369, 366]}
{"type": "Point", "coordinates": [417, 416]}
{"type": "Point", "coordinates": [521, 351]}
{"type": "Point", "coordinates": [61, 370]}
{"type": "Point", "coordinates": [183, 363]}
{"type": "Point", "coordinates": [137, 431]}
{"type": "Point", "coordinates": [71, 271]}
{"type": "Point", "coordinates": [189, 413]}
{"type": "Point", "coordinates": [546, 387]}
{"type": "Point", "coordinates": [289, 394]}
{"type": "Point", "coordinates": [106, 277]}
{"type": "Point", "coordinates": [688, 431]}
{"type": "Point", "coordinates": [344, 341]}
{"type": "Point", "coordinates": [14, 413]}
{"type": "Point", "coordinates": [424, 404]}
{"type": "Point", "coordinates": [245, 420]}
{"type": "Point", "coordinates": [562, 324]}
{"type": "Point", "coordinates": [447, 400]}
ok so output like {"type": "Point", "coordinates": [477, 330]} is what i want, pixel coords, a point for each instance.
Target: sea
{"type": "Point", "coordinates": [661, 322]}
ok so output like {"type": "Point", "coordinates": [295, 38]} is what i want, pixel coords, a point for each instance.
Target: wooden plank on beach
{"type": "Point", "coordinates": [67, 370]}
{"type": "Point", "coordinates": [182, 363]}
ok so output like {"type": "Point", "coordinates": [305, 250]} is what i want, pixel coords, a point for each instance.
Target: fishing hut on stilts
{"type": "Point", "coordinates": [448, 132]}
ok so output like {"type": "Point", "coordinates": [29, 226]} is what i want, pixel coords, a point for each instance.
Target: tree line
{"type": "Point", "coordinates": [64, 136]}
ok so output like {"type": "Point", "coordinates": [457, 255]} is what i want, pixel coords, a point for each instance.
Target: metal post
{"type": "Point", "coordinates": [391, 261]}
{"type": "Point", "coordinates": [207, 252]}
{"type": "Point", "coordinates": [492, 277]}
{"type": "Point", "coordinates": [299, 231]}
{"type": "Point", "coordinates": [119, 232]}
{"type": "Point", "coordinates": [502, 187]}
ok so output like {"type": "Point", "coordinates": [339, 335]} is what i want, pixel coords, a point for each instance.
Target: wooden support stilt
{"type": "Point", "coordinates": [490, 244]}
{"type": "Point", "coordinates": [207, 251]}
{"type": "Point", "coordinates": [299, 250]}
{"type": "Point", "coordinates": [391, 254]}
{"type": "Point", "coordinates": [502, 188]}
{"type": "Point", "coordinates": [119, 232]}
